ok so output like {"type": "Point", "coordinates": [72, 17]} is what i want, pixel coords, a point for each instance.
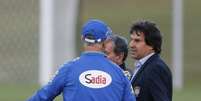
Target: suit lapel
{"type": "Point", "coordinates": [143, 67]}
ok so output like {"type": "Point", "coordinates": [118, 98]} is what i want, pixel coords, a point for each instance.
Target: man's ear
{"type": "Point", "coordinates": [119, 58]}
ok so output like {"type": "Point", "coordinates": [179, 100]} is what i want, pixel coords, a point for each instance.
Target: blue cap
{"type": "Point", "coordinates": [95, 31]}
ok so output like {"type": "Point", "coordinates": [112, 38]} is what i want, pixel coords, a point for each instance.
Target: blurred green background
{"type": "Point", "coordinates": [19, 40]}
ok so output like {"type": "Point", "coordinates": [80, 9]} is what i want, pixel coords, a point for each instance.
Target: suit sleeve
{"type": "Point", "coordinates": [157, 82]}
{"type": "Point", "coordinates": [128, 92]}
{"type": "Point", "coordinates": [52, 89]}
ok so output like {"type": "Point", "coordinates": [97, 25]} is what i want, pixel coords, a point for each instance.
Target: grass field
{"type": "Point", "coordinates": [22, 92]}
{"type": "Point", "coordinates": [19, 40]}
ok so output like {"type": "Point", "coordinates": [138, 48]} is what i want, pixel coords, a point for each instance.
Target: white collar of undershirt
{"type": "Point", "coordinates": [144, 59]}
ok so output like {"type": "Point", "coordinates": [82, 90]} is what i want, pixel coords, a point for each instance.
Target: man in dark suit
{"type": "Point", "coordinates": [152, 79]}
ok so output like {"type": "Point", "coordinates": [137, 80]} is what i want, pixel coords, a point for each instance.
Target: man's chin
{"type": "Point", "coordinates": [133, 56]}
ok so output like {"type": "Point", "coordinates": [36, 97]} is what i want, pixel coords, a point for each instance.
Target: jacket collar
{"type": "Point", "coordinates": [93, 53]}
{"type": "Point", "coordinates": [144, 66]}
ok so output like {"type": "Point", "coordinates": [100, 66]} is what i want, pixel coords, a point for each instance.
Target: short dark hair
{"type": "Point", "coordinates": [120, 45]}
{"type": "Point", "coordinates": [151, 32]}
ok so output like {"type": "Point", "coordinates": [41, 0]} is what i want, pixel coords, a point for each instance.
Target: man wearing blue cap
{"type": "Point", "coordinates": [91, 77]}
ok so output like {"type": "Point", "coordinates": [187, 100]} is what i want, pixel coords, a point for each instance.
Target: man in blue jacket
{"type": "Point", "coordinates": [91, 77]}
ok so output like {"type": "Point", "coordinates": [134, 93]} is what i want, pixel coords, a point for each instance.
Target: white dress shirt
{"type": "Point", "coordinates": [139, 63]}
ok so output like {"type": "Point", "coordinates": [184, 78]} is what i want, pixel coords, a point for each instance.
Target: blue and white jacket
{"type": "Point", "coordinates": [92, 77]}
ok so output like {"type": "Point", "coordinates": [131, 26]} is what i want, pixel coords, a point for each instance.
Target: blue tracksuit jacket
{"type": "Point", "coordinates": [91, 77]}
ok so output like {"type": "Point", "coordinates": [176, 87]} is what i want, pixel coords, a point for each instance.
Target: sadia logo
{"type": "Point", "coordinates": [95, 79]}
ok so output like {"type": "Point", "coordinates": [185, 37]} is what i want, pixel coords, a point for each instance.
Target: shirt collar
{"type": "Point", "coordinates": [93, 53]}
{"type": "Point", "coordinates": [143, 60]}
{"type": "Point", "coordinates": [123, 66]}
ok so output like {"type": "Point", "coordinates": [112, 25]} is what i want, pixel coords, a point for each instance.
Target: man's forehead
{"type": "Point", "coordinates": [138, 33]}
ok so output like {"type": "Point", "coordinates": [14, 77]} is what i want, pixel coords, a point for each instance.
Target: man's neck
{"type": "Point", "coordinates": [93, 48]}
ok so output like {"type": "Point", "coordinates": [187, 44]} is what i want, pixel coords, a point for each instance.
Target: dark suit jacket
{"type": "Point", "coordinates": [153, 82]}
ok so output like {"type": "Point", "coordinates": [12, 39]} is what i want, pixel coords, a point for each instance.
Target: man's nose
{"type": "Point", "coordinates": [131, 44]}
